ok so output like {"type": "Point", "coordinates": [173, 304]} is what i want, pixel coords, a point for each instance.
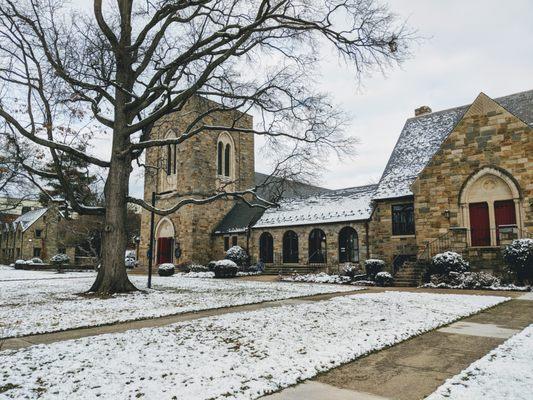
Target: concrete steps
{"type": "Point", "coordinates": [409, 275]}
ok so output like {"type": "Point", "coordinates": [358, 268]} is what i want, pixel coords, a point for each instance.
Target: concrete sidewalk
{"type": "Point", "coordinates": [416, 367]}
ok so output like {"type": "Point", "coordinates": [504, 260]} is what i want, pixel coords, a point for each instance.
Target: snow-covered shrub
{"type": "Point", "coordinates": [36, 260]}
{"type": "Point", "coordinates": [519, 258]}
{"type": "Point", "coordinates": [166, 269]}
{"type": "Point", "coordinates": [198, 268]}
{"type": "Point", "coordinates": [225, 269]}
{"type": "Point", "coordinates": [19, 264]}
{"type": "Point", "coordinates": [321, 277]}
{"type": "Point", "coordinates": [373, 266]}
{"type": "Point", "coordinates": [238, 255]}
{"type": "Point", "coordinates": [351, 270]}
{"type": "Point", "coordinates": [59, 259]}
{"type": "Point", "coordinates": [471, 280]}
{"type": "Point", "coordinates": [447, 262]}
{"type": "Point", "coordinates": [384, 278]}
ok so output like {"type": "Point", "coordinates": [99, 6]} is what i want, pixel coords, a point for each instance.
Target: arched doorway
{"type": "Point", "coordinates": [489, 201]}
{"type": "Point", "coordinates": [348, 245]}
{"type": "Point", "coordinates": [317, 247]}
{"type": "Point", "coordinates": [266, 248]}
{"type": "Point", "coordinates": [290, 247]}
{"type": "Point", "coordinates": [165, 241]}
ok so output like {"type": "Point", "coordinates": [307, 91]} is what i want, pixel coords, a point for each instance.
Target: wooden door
{"type": "Point", "coordinates": [164, 250]}
{"type": "Point", "coordinates": [504, 214]}
{"type": "Point", "coordinates": [479, 224]}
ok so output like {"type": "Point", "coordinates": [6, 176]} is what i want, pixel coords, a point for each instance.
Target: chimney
{"type": "Point", "coordinates": [422, 110]}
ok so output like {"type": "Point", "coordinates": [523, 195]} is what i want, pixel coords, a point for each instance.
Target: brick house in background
{"type": "Point", "coordinates": [458, 179]}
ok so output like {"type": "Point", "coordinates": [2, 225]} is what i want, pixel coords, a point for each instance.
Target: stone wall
{"type": "Point", "coordinates": [383, 244]}
{"type": "Point", "coordinates": [332, 241]}
{"type": "Point", "coordinates": [488, 138]}
{"type": "Point", "coordinates": [196, 178]}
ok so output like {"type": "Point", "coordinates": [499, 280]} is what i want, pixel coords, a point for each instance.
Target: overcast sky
{"type": "Point", "coordinates": [470, 46]}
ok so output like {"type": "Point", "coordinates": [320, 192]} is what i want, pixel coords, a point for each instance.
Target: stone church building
{"type": "Point", "coordinates": [458, 179]}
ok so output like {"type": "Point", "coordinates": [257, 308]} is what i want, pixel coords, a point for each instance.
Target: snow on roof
{"type": "Point", "coordinates": [27, 219]}
{"type": "Point", "coordinates": [422, 136]}
{"type": "Point", "coordinates": [341, 205]}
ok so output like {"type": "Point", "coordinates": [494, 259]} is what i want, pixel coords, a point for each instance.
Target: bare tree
{"type": "Point", "coordinates": [68, 75]}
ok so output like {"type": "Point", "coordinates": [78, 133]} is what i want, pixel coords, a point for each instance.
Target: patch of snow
{"type": "Point", "coordinates": [225, 263]}
{"type": "Point", "coordinates": [505, 373]}
{"type": "Point", "coordinates": [25, 303]}
{"type": "Point", "coordinates": [166, 267]}
{"type": "Point", "coordinates": [240, 355]}
{"type": "Point", "coordinates": [321, 277]}
{"type": "Point", "coordinates": [206, 274]}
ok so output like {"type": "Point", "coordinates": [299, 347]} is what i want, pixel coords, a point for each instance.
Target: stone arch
{"type": "Point", "coordinates": [482, 195]}
{"type": "Point", "coordinates": [225, 155]}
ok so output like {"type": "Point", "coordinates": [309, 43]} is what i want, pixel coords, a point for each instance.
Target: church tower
{"type": "Point", "coordinates": [199, 167]}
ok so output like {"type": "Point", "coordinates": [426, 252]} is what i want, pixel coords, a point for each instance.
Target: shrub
{"type": "Point", "coordinates": [373, 266]}
{"type": "Point", "coordinates": [225, 269]}
{"type": "Point", "coordinates": [166, 269]}
{"type": "Point", "coordinates": [449, 261]}
{"type": "Point", "coordinates": [36, 260]}
{"type": "Point", "coordinates": [238, 255]}
{"type": "Point", "coordinates": [59, 259]}
{"type": "Point", "coordinates": [384, 278]}
{"type": "Point", "coordinates": [519, 258]}
{"type": "Point", "coordinates": [198, 268]}
{"type": "Point", "coordinates": [351, 270]}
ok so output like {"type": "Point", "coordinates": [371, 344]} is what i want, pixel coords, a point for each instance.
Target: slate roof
{"type": "Point", "coordinates": [242, 216]}
{"type": "Point", "coordinates": [27, 219]}
{"type": "Point", "coordinates": [343, 205]}
{"type": "Point", "coordinates": [422, 136]}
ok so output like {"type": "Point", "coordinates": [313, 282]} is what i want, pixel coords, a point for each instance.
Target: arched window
{"type": "Point", "coordinates": [225, 149]}
{"type": "Point", "coordinates": [266, 247]}
{"type": "Point", "coordinates": [290, 247]}
{"type": "Point", "coordinates": [317, 247]}
{"type": "Point", "coordinates": [169, 159]}
{"type": "Point", "coordinates": [348, 245]}
{"type": "Point", "coordinates": [220, 157]}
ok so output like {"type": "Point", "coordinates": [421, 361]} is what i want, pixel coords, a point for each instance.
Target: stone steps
{"type": "Point", "coordinates": [409, 275]}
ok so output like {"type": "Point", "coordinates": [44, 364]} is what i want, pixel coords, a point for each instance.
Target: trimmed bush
{"type": "Point", "coordinates": [384, 278]}
{"type": "Point", "coordinates": [59, 259]}
{"type": "Point", "coordinates": [36, 260]}
{"type": "Point", "coordinates": [238, 255]}
{"type": "Point", "coordinates": [351, 270]}
{"type": "Point", "coordinates": [373, 266]}
{"type": "Point", "coordinates": [449, 261]}
{"type": "Point", "coordinates": [519, 258]}
{"type": "Point", "coordinates": [198, 268]}
{"type": "Point", "coordinates": [225, 269]}
{"type": "Point", "coordinates": [166, 269]}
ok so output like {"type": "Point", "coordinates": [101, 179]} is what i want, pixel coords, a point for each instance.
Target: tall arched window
{"type": "Point", "coordinates": [225, 150]}
{"type": "Point", "coordinates": [290, 247]}
{"type": "Point", "coordinates": [220, 157]}
{"type": "Point", "coordinates": [317, 246]}
{"type": "Point", "coordinates": [266, 247]}
{"type": "Point", "coordinates": [227, 158]}
{"type": "Point", "coordinates": [348, 245]}
{"type": "Point", "coordinates": [169, 159]}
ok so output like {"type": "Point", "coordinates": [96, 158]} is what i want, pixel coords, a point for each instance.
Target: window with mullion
{"type": "Point", "coordinates": [403, 219]}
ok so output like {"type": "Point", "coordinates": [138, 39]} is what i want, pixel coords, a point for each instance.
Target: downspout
{"type": "Point", "coordinates": [367, 241]}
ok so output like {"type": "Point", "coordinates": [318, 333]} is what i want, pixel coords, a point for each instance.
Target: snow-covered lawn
{"type": "Point", "coordinates": [46, 305]}
{"type": "Point", "coordinates": [504, 373]}
{"type": "Point", "coordinates": [11, 274]}
{"type": "Point", "coordinates": [233, 356]}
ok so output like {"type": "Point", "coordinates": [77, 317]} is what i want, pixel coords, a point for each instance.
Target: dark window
{"type": "Point", "coordinates": [25, 209]}
{"type": "Point", "coordinates": [348, 245]}
{"type": "Point", "coordinates": [226, 243]}
{"type": "Point", "coordinates": [38, 233]}
{"type": "Point", "coordinates": [317, 246]}
{"type": "Point", "coordinates": [220, 157]}
{"type": "Point", "coordinates": [234, 240]}
{"type": "Point", "coordinates": [227, 154]}
{"type": "Point", "coordinates": [290, 247]}
{"type": "Point", "coordinates": [37, 252]}
{"type": "Point", "coordinates": [175, 166]}
{"type": "Point", "coordinates": [266, 247]}
{"type": "Point", "coordinates": [169, 159]}
{"type": "Point", "coordinates": [403, 219]}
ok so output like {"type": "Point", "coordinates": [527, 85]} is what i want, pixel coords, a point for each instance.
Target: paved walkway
{"type": "Point", "coordinates": [416, 367]}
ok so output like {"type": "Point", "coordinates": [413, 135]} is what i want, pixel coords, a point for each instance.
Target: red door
{"type": "Point", "coordinates": [504, 213]}
{"type": "Point", "coordinates": [164, 250]}
{"type": "Point", "coordinates": [479, 224]}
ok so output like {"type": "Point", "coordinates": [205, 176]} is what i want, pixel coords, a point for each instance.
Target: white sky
{"type": "Point", "coordinates": [470, 46]}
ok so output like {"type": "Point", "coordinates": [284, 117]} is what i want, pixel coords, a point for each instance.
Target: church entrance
{"type": "Point", "coordinates": [480, 224]}
{"type": "Point", "coordinates": [164, 250]}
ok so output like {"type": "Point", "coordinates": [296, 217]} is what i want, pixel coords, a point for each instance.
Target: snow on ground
{"type": "Point", "coordinates": [36, 306]}
{"type": "Point", "coordinates": [11, 274]}
{"type": "Point", "coordinates": [504, 373]}
{"type": "Point", "coordinates": [321, 277]}
{"type": "Point", "coordinates": [233, 356]}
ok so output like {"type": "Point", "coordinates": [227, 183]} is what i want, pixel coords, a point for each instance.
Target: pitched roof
{"type": "Point", "coordinates": [29, 218]}
{"type": "Point", "coordinates": [422, 136]}
{"type": "Point", "coordinates": [343, 205]}
{"type": "Point", "coordinates": [242, 216]}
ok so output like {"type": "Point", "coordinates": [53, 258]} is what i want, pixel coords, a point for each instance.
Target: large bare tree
{"type": "Point", "coordinates": [69, 73]}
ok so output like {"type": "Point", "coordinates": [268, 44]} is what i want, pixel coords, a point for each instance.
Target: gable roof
{"type": "Point", "coordinates": [343, 205]}
{"type": "Point", "coordinates": [422, 136]}
{"type": "Point", "coordinates": [242, 216]}
{"type": "Point", "coordinates": [28, 219]}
